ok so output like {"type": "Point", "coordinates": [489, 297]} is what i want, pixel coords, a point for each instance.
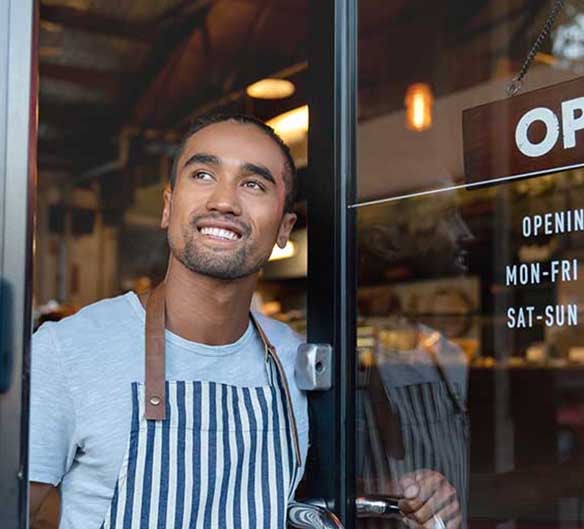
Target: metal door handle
{"type": "Point", "coordinates": [313, 514]}
{"type": "Point", "coordinates": [309, 516]}
{"type": "Point", "coordinates": [377, 507]}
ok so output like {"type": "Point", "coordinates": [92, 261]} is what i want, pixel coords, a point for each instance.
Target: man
{"type": "Point", "coordinates": [179, 409]}
{"type": "Point", "coordinates": [222, 443]}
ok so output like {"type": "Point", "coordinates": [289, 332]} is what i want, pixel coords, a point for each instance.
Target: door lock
{"type": "Point", "coordinates": [313, 369]}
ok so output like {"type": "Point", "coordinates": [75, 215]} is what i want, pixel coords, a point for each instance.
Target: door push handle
{"type": "Point", "coordinates": [313, 368]}
{"type": "Point", "coordinates": [313, 514]}
{"type": "Point", "coordinates": [377, 507]}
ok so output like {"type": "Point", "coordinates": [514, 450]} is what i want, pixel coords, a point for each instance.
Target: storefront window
{"type": "Point", "coordinates": [470, 299]}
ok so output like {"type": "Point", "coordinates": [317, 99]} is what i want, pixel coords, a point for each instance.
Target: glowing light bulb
{"type": "Point", "coordinates": [271, 89]}
{"type": "Point", "coordinates": [292, 126]}
{"type": "Point", "coordinates": [419, 100]}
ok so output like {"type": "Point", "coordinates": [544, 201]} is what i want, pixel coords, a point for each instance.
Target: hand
{"type": "Point", "coordinates": [429, 501]}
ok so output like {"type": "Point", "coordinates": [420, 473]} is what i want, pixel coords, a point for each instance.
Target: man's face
{"type": "Point", "coordinates": [227, 207]}
{"type": "Point", "coordinates": [438, 241]}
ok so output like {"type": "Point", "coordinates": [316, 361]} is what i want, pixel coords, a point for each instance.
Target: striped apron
{"type": "Point", "coordinates": [205, 455]}
{"type": "Point", "coordinates": [408, 428]}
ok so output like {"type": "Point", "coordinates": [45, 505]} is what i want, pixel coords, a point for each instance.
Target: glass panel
{"type": "Point", "coordinates": [461, 54]}
{"type": "Point", "coordinates": [470, 341]}
{"type": "Point", "coordinates": [120, 84]}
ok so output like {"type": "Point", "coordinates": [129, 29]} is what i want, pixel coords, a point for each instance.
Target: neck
{"type": "Point", "coordinates": [204, 309]}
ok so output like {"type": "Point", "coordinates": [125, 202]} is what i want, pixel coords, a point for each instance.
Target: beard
{"type": "Point", "coordinates": [224, 265]}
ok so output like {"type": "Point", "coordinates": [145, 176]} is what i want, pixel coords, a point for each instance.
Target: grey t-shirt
{"type": "Point", "coordinates": [82, 370]}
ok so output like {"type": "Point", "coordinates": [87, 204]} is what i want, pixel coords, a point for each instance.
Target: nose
{"type": "Point", "coordinates": [224, 199]}
{"type": "Point", "coordinates": [463, 231]}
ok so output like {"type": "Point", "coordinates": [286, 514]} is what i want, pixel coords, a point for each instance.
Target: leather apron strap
{"type": "Point", "coordinates": [271, 353]}
{"type": "Point", "coordinates": [155, 372]}
{"type": "Point", "coordinates": [155, 369]}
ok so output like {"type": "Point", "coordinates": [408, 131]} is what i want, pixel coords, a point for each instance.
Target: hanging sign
{"type": "Point", "coordinates": [526, 135]}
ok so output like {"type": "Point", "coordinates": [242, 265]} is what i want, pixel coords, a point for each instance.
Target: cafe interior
{"type": "Point", "coordinates": [121, 80]}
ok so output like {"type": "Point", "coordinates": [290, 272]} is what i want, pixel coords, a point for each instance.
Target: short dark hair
{"type": "Point", "coordinates": [242, 119]}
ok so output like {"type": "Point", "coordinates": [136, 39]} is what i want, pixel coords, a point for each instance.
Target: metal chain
{"type": "Point", "coordinates": [517, 81]}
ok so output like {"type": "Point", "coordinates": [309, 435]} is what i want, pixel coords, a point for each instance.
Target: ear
{"type": "Point", "coordinates": [166, 208]}
{"type": "Point", "coordinates": [286, 225]}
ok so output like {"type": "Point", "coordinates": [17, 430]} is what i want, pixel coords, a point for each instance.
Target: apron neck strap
{"type": "Point", "coordinates": [155, 369]}
{"type": "Point", "coordinates": [269, 349]}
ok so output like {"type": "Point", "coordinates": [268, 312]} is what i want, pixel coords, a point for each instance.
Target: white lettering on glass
{"type": "Point", "coordinates": [553, 316]}
{"type": "Point", "coordinates": [552, 127]}
{"type": "Point", "coordinates": [572, 120]}
{"type": "Point", "coordinates": [553, 223]}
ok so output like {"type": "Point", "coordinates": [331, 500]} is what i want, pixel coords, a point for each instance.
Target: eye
{"type": "Point", "coordinates": [253, 184]}
{"type": "Point", "coordinates": [202, 175]}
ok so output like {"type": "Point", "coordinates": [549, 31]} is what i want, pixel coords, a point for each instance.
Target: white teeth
{"type": "Point", "coordinates": [220, 233]}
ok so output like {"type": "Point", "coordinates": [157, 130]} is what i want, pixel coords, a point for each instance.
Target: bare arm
{"type": "Point", "coordinates": [38, 494]}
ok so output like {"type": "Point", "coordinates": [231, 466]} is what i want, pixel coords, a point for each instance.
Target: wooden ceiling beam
{"type": "Point", "coordinates": [92, 22]}
{"type": "Point", "coordinates": [211, 98]}
{"type": "Point", "coordinates": [176, 28]}
{"type": "Point", "coordinates": [106, 81]}
{"type": "Point", "coordinates": [78, 119]}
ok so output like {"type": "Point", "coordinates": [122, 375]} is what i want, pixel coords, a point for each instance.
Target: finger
{"type": "Point", "coordinates": [411, 524]}
{"type": "Point", "coordinates": [450, 511]}
{"type": "Point", "coordinates": [409, 486]}
{"type": "Point", "coordinates": [414, 477]}
{"type": "Point", "coordinates": [455, 523]}
{"type": "Point", "coordinates": [428, 485]}
{"type": "Point", "coordinates": [443, 497]}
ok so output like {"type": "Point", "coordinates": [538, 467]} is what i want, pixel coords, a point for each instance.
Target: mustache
{"type": "Point", "coordinates": [244, 228]}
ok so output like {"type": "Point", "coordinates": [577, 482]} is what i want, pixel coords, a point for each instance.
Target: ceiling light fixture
{"type": "Point", "coordinates": [291, 126]}
{"type": "Point", "coordinates": [50, 51]}
{"type": "Point", "coordinates": [52, 27]}
{"type": "Point", "coordinates": [271, 89]}
{"type": "Point", "coordinates": [283, 253]}
{"type": "Point", "coordinates": [419, 100]}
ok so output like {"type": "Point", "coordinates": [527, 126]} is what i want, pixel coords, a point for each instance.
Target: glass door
{"type": "Point", "coordinates": [450, 291]}
{"type": "Point", "coordinates": [469, 388]}
{"type": "Point", "coordinates": [17, 175]}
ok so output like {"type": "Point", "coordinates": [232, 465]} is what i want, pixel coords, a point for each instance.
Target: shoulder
{"type": "Point", "coordinates": [102, 312]}
{"type": "Point", "coordinates": [102, 320]}
{"type": "Point", "coordinates": [282, 337]}
{"type": "Point", "coordinates": [286, 342]}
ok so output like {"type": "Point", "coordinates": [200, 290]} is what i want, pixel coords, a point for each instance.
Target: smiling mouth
{"type": "Point", "coordinates": [221, 234]}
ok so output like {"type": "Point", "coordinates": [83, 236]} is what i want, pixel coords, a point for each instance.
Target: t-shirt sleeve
{"type": "Point", "coordinates": [52, 415]}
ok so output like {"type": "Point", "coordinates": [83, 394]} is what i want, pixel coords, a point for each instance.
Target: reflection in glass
{"type": "Point", "coordinates": [413, 377]}
{"type": "Point", "coordinates": [458, 308]}
{"type": "Point", "coordinates": [439, 332]}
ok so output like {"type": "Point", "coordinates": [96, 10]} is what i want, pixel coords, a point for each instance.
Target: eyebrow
{"type": "Point", "coordinates": [201, 157]}
{"type": "Point", "coordinates": [258, 170]}
{"type": "Point", "coordinates": [247, 167]}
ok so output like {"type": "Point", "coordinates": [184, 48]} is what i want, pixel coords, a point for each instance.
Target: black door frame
{"type": "Point", "coordinates": [330, 190]}
{"type": "Point", "coordinates": [18, 81]}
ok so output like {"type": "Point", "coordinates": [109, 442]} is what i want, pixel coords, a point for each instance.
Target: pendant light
{"type": "Point", "coordinates": [418, 101]}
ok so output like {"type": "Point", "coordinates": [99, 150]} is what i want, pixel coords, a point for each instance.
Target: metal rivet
{"type": "Point", "coordinates": [154, 400]}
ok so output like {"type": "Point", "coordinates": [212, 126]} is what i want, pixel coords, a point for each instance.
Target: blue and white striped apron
{"type": "Point", "coordinates": [221, 457]}
{"type": "Point", "coordinates": [408, 428]}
